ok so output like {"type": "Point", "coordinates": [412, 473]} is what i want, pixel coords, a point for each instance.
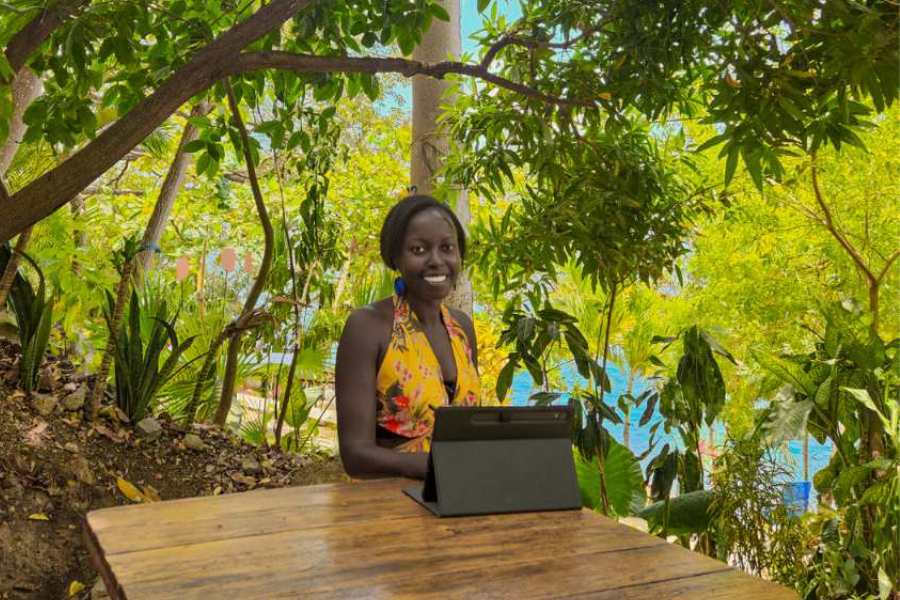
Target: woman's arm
{"type": "Point", "coordinates": [354, 378]}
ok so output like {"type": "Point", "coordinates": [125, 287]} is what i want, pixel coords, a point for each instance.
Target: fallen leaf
{"type": "Point", "coordinates": [129, 490]}
{"type": "Point", "coordinates": [121, 415]}
{"type": "Point", "coordinates": [107, 433]}
{"type": "Point", "coordinates": [38, 517]}
{"type": "Point", "coordinates": [151, 494]}
{"type": "Point", "coordinates": [75, 588]}
{"type": "Point", "coordinates": [35, 436]}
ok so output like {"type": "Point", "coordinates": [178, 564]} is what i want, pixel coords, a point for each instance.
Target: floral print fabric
{"type": "Point", "coordinates": [409, 382]}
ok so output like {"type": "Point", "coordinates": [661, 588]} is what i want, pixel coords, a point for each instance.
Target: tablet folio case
{"type": "Point", "coordinates": [497, 460]}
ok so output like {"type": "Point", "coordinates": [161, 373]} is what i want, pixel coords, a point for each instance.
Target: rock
{"type": "Point", "coordinates": [250, 465]}
{"type": "Point", "coordinates": [82, 471]}
{"type": "Point", "coordinates": [149, 428]}
{"type": "Point", "coordinates": [75, 400]}
{"type": "Point", "coordinates": [193, 442]}
{"type": "Point", "coordinates": [44, 404]}
{"type": "Point", "coordinates": [98, 592]}
{"type": "Point", "coordinates": [47, 380]}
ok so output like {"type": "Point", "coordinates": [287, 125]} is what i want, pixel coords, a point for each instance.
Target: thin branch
{"type": "Point", "coordinates": [511, 39]}
{"type": "Point", "coordinates": [829, 224]}
{"type": "Point", "coordinates": [887, 265]}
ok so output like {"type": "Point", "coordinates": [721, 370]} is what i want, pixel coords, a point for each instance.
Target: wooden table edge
{"type": "Point", "coordinates": [98, 559]}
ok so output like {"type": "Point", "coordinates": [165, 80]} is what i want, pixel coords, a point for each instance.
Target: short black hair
{"type": "Point", "coordinates": [397, 220]}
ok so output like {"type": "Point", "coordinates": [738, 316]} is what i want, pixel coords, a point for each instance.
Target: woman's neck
{"type": "Point", "coordinates": [427, 311]}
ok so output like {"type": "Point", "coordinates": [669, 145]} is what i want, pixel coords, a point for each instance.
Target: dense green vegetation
{"type": "Point", "coordinates": [702, 194]}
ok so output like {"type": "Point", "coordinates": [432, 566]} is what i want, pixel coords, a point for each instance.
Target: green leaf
{"type": "Point", "coordinates": [884, 584]}
{"type": "Point", "coordinates": [504, 379]}
{"type": "Point", "coordinates": [788, 422]}
{"type": "Point", "coordinates": [790, 373]}
{"type": "Point", "coordinates": [543, 398]}
{"type": "Point", "coordinates": [862, 396]}
{"type": "Point", "coordinates": [624, 480]}
{"type": "Point", "coordinates": [731, 163]}
{"type": "Point", "coordinates": [688, 513]}
{"type": "Point", "coordinates": [440, 12]}
{"type": "Point", "coordinates": [482, 5]}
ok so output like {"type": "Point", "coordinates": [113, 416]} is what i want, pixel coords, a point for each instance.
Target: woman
{"type": "Point", "coordinates": [400, 357]}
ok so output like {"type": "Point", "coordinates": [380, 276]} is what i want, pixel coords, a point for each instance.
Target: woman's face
{"type": "Point", "coordinates": [429, 259]}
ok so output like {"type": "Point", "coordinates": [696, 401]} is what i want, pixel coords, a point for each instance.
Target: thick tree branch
{"type": "Point", "coordinates": [222, 58]}
{"type": "Point", "coordinates": [59, 185]}
{"type": "Point", "coordinates": [24, 43]}
{"type": "Point", "coordinates": [305, 63]}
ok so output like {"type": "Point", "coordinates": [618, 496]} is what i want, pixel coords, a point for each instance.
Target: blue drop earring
{"type": "Point", "coordinates": [400, 286]}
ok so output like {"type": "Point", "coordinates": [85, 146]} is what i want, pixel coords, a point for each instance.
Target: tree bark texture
{"type": "Point", "coordinates": [59, 185]}
{"type": "Point", "coordinates": [12, 266]}
{"type": "Point", "coordinates": [26, 86]}
{"type": "Point", "coordinates": [24, 42]}
{"type": "Point", "coordinates": [168, 193]}
{"type": "Point", "coordinates": [430, 144]}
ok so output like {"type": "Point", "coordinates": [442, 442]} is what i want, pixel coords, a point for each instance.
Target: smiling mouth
{"type": "Point", "coordinates": [436, 279]}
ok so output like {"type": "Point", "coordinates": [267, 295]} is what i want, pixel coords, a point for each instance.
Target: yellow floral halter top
{"type": "Point", "coordinates": [409, 382]}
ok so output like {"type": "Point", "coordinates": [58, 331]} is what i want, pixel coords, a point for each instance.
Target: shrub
{"type": "Point", "coordinates": [138, 375]}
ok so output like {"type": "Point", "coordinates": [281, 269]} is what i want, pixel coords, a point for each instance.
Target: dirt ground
{"type": "Point", "coordinates": [55, 467]}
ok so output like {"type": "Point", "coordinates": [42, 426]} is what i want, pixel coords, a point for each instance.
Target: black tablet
{"type": "Point", "coordinates": [499, 459]}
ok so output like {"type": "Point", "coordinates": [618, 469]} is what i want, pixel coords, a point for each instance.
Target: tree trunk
{"type": "Point", "coordinates": [26, 86]}
{"type": "Point", "coordinates": [167, 194]}
{"type": "Point", "coordinates": [261, 276]}
{"type": "Point", "coordinates": [805, 456]}
{"type": "Point", "coordinates": [429, 144]}
{"type": "Point", "coordinates": [626, 428]}
{"type": "Point", "coordinates": [119, 309]}
{"type": "Point", "coordinates": [12, 266]}
{"type": "Point", "coordinates": [80, 237]}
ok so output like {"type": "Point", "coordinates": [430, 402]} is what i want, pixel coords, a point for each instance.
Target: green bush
{"type": "Point", "coordinates": [138, 374]}
{"type": "Point", "coordinates": [34, 316]}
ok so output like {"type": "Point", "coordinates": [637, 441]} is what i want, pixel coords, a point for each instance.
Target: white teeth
{"type": "Point", "coordinates": [436, 279]}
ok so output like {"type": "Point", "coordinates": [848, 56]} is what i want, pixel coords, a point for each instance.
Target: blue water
{"type": "Point", "coordinates": [523, 387]}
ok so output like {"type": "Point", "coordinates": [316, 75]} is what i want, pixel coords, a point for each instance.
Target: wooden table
{"type": "Point", "coordinates": [368, 540]}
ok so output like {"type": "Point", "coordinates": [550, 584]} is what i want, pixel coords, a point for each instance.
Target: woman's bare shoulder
{"type": "Point", "coordinates": [372, 318]}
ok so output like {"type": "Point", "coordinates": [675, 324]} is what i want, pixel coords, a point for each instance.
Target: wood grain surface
{"type": "Point", "coordinates": [368, 540]}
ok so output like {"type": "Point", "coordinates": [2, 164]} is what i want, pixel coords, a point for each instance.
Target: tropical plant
{"type": "Point", "coordinates": [33, 310]}
{"type": "Point", "coordinates": [749, 522]}
{"type": "Point", "coordinates": [123, 259]}
{"type": "Point", "coordinates": [694, 396]}
{"type": "Point", "coordinates": [847, 390]}
{"type": "Point", "coordinates": [138, 373]}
